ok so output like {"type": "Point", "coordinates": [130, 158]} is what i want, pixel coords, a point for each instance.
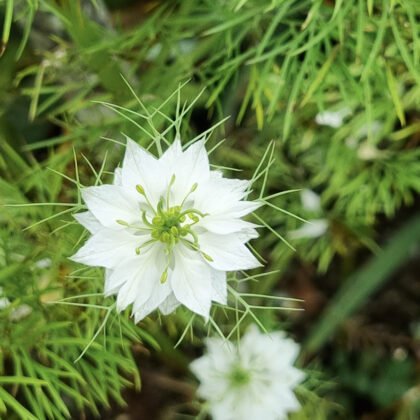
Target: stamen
{"type": "Point", "coordinates": [194, 235]}
{"type": "Point", "coordinates": [196, 247]}
{"type": "Point", "coordinates": [193, 188]}
{"type": "Point", "coordinates": [193, 211]}
{"type": "Point", "coordinates": [140, 189]}
{"type": "Point", "coordinates": [145, 221]}
{"type": "Point", "coordinates": [164, 276]}
{"type": "Point", "coordinates": [142, 192]}
{"type": "Point", "coordinates": [171, 182]}
{"type": "Point", "coordinates": [169, 225]}
{"type": "Point", "coordinates": [139, 248]}
{"type": "Point", "coordinates": [206, 256]}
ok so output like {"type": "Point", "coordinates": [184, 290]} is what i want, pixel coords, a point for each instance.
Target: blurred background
{"type": "Point", "coordinates": [325, 92]}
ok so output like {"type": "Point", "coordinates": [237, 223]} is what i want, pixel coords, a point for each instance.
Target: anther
{"type": "Point", "coordinates": [207, 256]}
{"type": "Point", "coordinates": [164, 276]}
{"type": "Point", "coordinates": [194, 217]}
{"type": "Point", "coordinates": [140, 189]}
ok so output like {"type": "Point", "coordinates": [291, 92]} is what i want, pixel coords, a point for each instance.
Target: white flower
{"type": "Point", "coordinates": [4, 301]}
{"type": "Point", "coordinates": [311, 201]}
{"type": "Point", "coordinates": [254, 380]}
{"type": "Point", "coordinates": [332, 118]}
{"type": "Point", "coordinates": [22, 311]}
{"type": "Point", "coordinates": [313, 229]}
{"type": "Point", "coordinates": [43, 263]}
{"type": "Point", "coordinates": [167, 230]}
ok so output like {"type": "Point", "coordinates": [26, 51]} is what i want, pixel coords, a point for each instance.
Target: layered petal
{"type": "Point", "coordinates": [141, 168]}
{"type": "Point", "coordinates": [219, 286]}
{"type": "Point", "coordinates": [107, 248]}
{"type": "Point", "coordinates": [159, 294]}
{"type": "Point", "coordinates": [89, 221]}
{"type": "Point", "coordinates": [142, 276]}
{"type": "Point", "coordinates": [169, 304]}
{"type": "Point", "coordinates": [223, 196]}
{"type": "Point", "coordinates": [109, 203]}
{"type": "Point", "coordinates": [191, 282]}
{"type": "Point", "coordinates": [189, 167]}
{"type": "Point", "coordinates": [223, 224]}
{"type": "Point", "coordinates": [228, 252]}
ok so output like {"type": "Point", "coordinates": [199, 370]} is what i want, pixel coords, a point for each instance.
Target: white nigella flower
{"type": "Point", "coordinates": [314, 229]}
{"type": "Point", "coordinates": [167, 230]}
{"type": "Point", "coordinates": [332, 118]}
{"type": "Point", "coordinates": [311, 201]}
{"type": "Point", "coordinates": [254, 380]}
{"type": "Point", "coordinates": [22, 311]}
{"type": "Point", "coordinates": [4, 301]}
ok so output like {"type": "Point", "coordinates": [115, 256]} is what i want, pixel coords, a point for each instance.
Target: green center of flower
{"type": "Point", "coordinates": [169, 225]}
{"type": "Point", "coordinates": [239, 376]}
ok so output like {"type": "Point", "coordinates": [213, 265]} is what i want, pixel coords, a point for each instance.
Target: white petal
{"type": "Point", "coordinates": [169, 305]}
{"type": "Point", "coordinates": [223, 224]}
{"type": "Point", "coordinates": [219, 286]}
{"type": "Point", "coordinates": [118, 177]}
{"type": "Point", "coordinates": [191, 281]}
{"type": "Point", "coordinates": [4, 302]}
{"type": "Point", "coordinates": [109, 203]}
{"type": "Point", "coordinates": [151, 297]}
{"type": "Point", "coordinates": [107, 248]}
{"type": "Point", "coordinates": [333, 118]}
{"type": "Point", "coordinates": [173, 154]}
{"type": "Point", "coordinates": [243, 208]}
{"type": "Point", "coordinates": [287, 401]}
{"type": "Point", "coordinates": [89, 221]}
{"type": "Point", "coordinates": [109, 287]}
{"type": "Point", "coordinates": [159, 294]}
{"type": "Point", "coordinates": [141, 168]}
{"type": "Point", "coordinates": [221, 354]}
{"type": "Point", "coordinates": [312, 229]}
{"type": "Point", "coordinates": [311, 201]}
{"type": "Point", "coordinates": [140, 276]}
{"type": "Point", "coordinates": [228, 252]}
{"type": "Point", "coordinates": [189, 167]}
{"type": "Point", "coordinates": [223, 196]}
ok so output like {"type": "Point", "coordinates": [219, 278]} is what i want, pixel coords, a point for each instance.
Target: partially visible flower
{"type": "Point", "coordinates": [16, 314]}
{"type": "Point", "coordinates": [4, 301]}
{"type": "Point", "coordinates": [313, 229]}
{"type": "Point", "coordinates": [367, 130]}
{"type": "Point", "coordinates": [332, 119]}
{"type": "Point", "coordinates": [167, 230]}
{"type": "Point", "coordinates": [311, 201]}
{"type": "Point", "coordinates": [254, 380]}
{"type": "Point", "coordinates": [22, 311]}
{"type": "Point", "coordinates": [43, 263]}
